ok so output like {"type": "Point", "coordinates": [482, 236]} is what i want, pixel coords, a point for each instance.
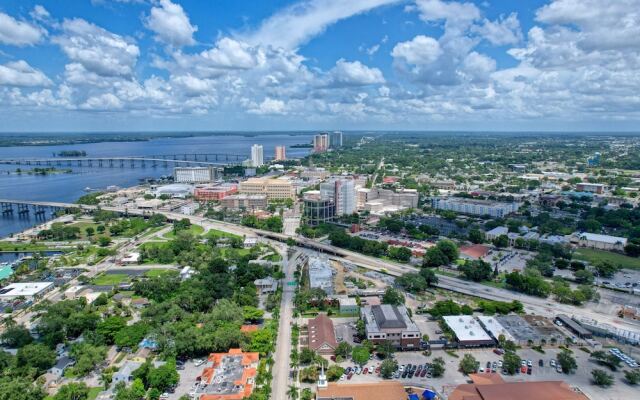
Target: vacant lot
{"type": "Point", "coordinates": [597, 256]}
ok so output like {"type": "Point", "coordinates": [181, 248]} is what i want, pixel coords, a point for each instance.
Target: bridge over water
{"type": "Point", "coordinates": [164, 160]}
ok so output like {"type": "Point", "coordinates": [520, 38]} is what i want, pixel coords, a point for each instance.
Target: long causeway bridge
{"type": "Point", "coordinates": [165, 160]}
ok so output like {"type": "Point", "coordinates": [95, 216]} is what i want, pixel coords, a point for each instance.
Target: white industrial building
{"type": "Point", "coordinates": [468, 331]}
{"type": "Point", "coordinates": [28, 290]}
{"type": "Point", "coordinates": [597, 241]}
{"type": "Point", "coordinates": [320, 274]}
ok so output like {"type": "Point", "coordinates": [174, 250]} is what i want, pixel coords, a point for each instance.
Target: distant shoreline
{"type": "Point", "coordinates": [56, 139]}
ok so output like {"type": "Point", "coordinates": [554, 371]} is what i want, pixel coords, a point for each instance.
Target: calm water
{"type": "Point", "coordinates": [68, 187]}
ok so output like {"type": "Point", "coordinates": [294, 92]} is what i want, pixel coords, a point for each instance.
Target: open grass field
{"type": "Point", "coordinates": [215, 233]}
{"type": "Point", "coordinates": [596, 256]}
{"type": "Point", "coordinates": [110, 279]}
{"type": "Point", "coordinates": [195, 230]}
{"type": "Point", "coordinates": [152, 273]}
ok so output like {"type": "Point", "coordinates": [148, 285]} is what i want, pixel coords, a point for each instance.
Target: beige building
{"type": "Point", "coordinates": [274, 189]}
{"type": "Point", "coordinates": [248, 201]}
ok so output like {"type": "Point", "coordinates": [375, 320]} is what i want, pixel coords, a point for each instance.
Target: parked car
{"type": "Point", "coordinates": [540, 363]}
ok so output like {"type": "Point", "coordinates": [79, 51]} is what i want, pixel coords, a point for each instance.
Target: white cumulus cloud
{"type": "Point", "coordinates": [171, 24]}
{"type": "Point", "coordinates": [20, 73]}
{"type": "Point", "coordinates": [18, 33]}
{"type": "Point", "coordinates": [98, 50]}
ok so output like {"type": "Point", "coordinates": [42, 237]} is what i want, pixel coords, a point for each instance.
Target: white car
{"type": "Point", "coordinates": [553, 363]}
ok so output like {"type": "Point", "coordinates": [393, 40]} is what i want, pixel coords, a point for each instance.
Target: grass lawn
{"type": "Point", "coordinates": [215, 233]}
{"type": "Point", "coordinates": [20, 247]}
{"type": "Point", "coordinates": [195, 230]}
{"type": "Point", "coordinates": [152, 273]}
{"type": "Point", "coordinates": [110, 279]}
{"type": "Point", "coordinates": [596, 256]}
{"type": "Point", "coordinates": [93, 392]}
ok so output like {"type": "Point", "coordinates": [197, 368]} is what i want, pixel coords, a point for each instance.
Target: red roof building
{"type": "Point", "coordinates": [228, 376]}
{"type": "Point", "coordinates": [322, 335]}
{"type": "Point", "coordinates": [475, 251]}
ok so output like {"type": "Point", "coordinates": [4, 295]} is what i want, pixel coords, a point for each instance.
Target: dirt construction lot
{"type": "Point", "coordinates": [581, 378]}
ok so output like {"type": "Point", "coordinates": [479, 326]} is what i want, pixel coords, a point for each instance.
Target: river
{"type": "Point", "coordinates": [68, 187]}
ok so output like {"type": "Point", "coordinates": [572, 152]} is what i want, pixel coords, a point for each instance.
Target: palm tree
{"type": "Point", "coordinates": [292, 392]}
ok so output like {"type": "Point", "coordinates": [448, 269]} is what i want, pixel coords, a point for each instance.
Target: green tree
{"type": "Point", "coordinates": [87, 357]}
{"type": "Point", "coordinates": [402, 254]}
{"type": "Point", "coordinates": [89, 231]}
{"type": "Point", "coordinates": [475, 236]}
{"type": "Point", "coordinates": [388, 367]}
{"type": "Point", "coordinates": [606, 269]}
{"type": "Point", "coordinates": [360, 355]}
{"type": "Point", "coordinates": [72, 391]}
{"type": "Point", "coordinates": [385, 349]}
{"type": "Point", "coordinates": [566, 361]}
{"type": "Point", "coordinates": [392, 296]}
{"type": "Point", "coordinates": [449, 249]}
{"type": "Point", "coordinates": [15, 335]}
{"type": "Point", "coordinates": [109, 327]}
{"type": "Point", "coordinates": [343, 350]}
{"type": "Point", "coordinates": [20, 389]}
{"type": "Point", "coordinates": [501, 241]}
{"type": "Point", "coordinates": [429, 276]}
{"type": "Point", "coordinates": [412, 282]}
{"type": "Point", "coordinates": [334, 372]}
{"type": "Point", "coordinates": [468, 364]}
{"type": "Point", "coordinates": [601, 378]}
{"type": "Point", "coordinates": [435, 257]}
{"type": "Point", "coordinates": [583, 276]}
{"type": "Point", "coordinates": [437, 367]}
{"type": "Point", "coordinates": [104, 241]}
{"type": "Point", "coordinates": [307, 394]}
{"type": "Point", "coordinates": [37, 356]}
{"type": "Point", "coordinates": [632, 376]}
{"type": "Point", "coordinates": [476, 270]}
{"type": "Point", "coordinates": [510, 362]}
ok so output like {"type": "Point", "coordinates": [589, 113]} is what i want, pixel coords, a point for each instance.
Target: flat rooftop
{"type": "Point", "coordinates": [519, 328]}
{"type": "Point", "coordinates": [495, 328]}
{"type": "Point", "coordinates": [26, 289]}
{"type": "Point", "coordinates": [466, 328]}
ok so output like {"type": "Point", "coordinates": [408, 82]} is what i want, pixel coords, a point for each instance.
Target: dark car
{"type": "Point", "coordinates": [404, 374]}
{"type": "Point", "coordinates": [541, 363]}
{"type": "Point", "coordinates": [529, 369]}
{"type": "Point", "coordinates": [488, 364]}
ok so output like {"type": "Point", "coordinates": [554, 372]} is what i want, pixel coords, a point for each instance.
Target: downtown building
{"type": "Point", "coordinates": [343, 193]}
{"type": "Point", "coordinates": [274, 189]}
{"type": "Point", "coordinates": [335, 140]}
{"type": "Point", "coordinates": [195, 174]}
{"type": "Point", "coordinates": [281, 153]}
{"type": "Point", "coordinates": [317, 210]}
{"type": "Point", "coordinates": [320, 143]}
{"type": "Point", "coordinates": [257, 155]}
{"type": "Point", "coordinates": [475, 207]}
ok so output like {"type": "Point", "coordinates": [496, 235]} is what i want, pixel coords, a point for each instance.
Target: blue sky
{"type": "Point", "coordinates": [122, 65]}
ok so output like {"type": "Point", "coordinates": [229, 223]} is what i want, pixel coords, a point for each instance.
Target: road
{"type": "Point", "coordinates": [280, 382]}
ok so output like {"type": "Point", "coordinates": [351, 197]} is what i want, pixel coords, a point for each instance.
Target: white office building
{"type": "Point", "coordinates": [257, 155]}
{"type": "Point", "coordinates": [194, 174]}
{"type": "Point", "coordinates": [343, 194]}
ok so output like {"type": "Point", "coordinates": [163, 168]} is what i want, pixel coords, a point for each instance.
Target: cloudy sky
{"type": "Point", "coordinates": [109, 65]}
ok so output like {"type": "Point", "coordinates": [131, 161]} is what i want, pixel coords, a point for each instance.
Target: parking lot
{"type": "Point", "coordinates": [452, 377]}
{"type": "Point", "coordinates": [188, 377]}
{"type": "Point", "coordinates": [508, 260]}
